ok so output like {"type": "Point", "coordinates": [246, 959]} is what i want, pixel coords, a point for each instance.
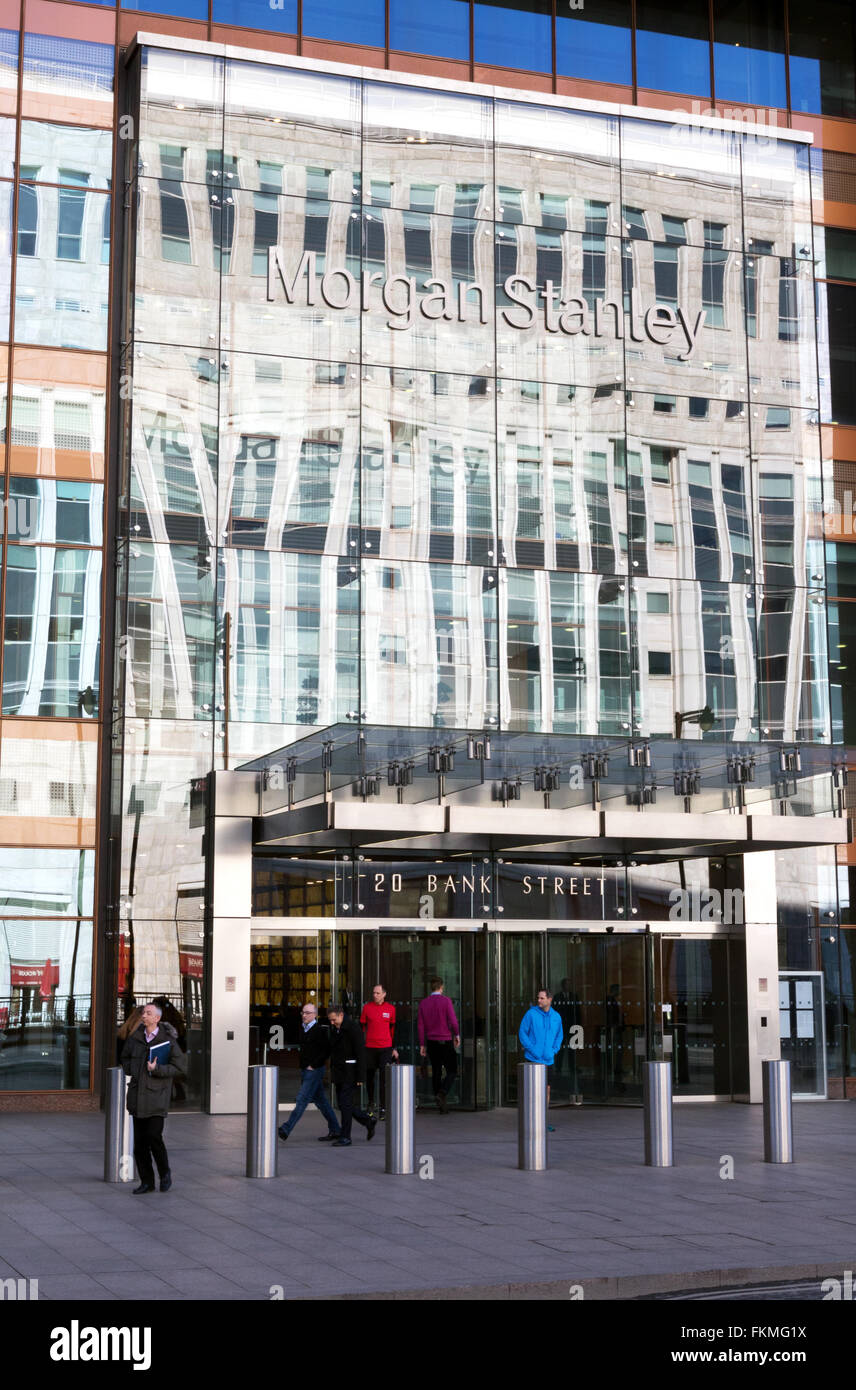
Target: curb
{"type": "Point", "coordinates": [596, 1290]}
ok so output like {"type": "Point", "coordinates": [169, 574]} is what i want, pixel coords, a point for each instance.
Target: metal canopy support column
{"type": "Point", "coordinates": [235, 800]}
{"type": "Point", "coordinates": [762, 967]}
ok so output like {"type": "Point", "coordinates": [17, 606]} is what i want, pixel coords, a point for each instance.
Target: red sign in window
{"type": "Point", "coordinates": [190, 963]}
{"type": "Point", "coordinates": [42, 975]}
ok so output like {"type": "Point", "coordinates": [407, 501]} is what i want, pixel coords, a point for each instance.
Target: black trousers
{"type": "Point", "coordinates": [148, 1145]}
{"type": "Point", "coordinates": [345, 1094]}
{"type": "Point", "coordinates": [376, 1060]}
{"type": "Point", "coordinates": [442, 1056]}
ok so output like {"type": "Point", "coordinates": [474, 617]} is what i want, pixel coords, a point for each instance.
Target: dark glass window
{"type": "Point", "coordinates": [514, 35]}
{"type": "Point", "coordinates": [280, 17]}
{"type": "Point", "coordinates": [462, 248]}
{"type": "Point", "coordinates": [659, 663]}
{"type": "Point", "coordinates": [673, 46]}
{"type": "Point", "coordinates": [28, 220]}
{"type": "Point", "coordinates": [675, 230]}
{"type": "Point", "coordinates": [345, 22]}
{"type": "Point", "coordinates": [749, 52]}
{"type": "Point", "coordinates": [265, 230]}
{"type": "Point", "coordinates": [441, 28]}
{"type": "Point", "coordinates": [634, 223]}
{"type": "Point", "coordinates": [788, 314]}
{"type": "Point", "coordinates": [595, 43]}
{"type": "Point", "coordinates": [594, 268]}
{"type": "Point", "coordinates": [548, 257]}
{"type": "Point", "coordinates": [841, 306]}
{"type": "Point", "coordinates": [418, 251]}
{"type": "Point", "coordinates": [840, 254]}
{"type": "Point", "coordinates": [823, 57]}
{"type": "Point", "coordinates": [175, 227]}
{"type": "Point", "coordinates": [666, 274]}
{"type": "Point", "coordinates": [713, 274]}
{"type": "Point", "coordinates": [69, 237]}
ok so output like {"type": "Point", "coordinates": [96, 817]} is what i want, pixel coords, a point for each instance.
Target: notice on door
{"type": "Point", "coordinates": [805, 1023]}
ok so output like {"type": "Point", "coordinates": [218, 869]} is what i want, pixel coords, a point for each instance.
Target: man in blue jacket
{"type": "Point", "coordinates": [541, 1035]}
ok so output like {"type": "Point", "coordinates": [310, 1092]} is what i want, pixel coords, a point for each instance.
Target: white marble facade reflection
{"type": "Point", "coordinates": [457, 411]}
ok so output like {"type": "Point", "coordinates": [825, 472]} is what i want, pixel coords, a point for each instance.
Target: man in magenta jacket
{"type": "Point", "coordinates": [439, 1036]}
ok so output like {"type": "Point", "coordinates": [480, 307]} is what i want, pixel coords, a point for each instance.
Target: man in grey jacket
{"type": "Point", "coordinates": [149, 1094]}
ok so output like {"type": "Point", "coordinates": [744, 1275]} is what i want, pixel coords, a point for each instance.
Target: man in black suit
{"type": "Point", "coordinates": [314, 1051]}
{"type": "Point", "coordinates": [347, 1069]}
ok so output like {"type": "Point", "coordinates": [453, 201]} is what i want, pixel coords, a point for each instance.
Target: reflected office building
{"type": "Point", "coordinates": [471, 610]}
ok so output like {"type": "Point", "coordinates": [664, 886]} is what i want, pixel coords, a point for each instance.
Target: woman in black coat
{"type": "Point", "coordinates": [149, 1094]}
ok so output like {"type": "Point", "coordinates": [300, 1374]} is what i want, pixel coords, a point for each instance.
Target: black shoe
{"type": "Point", "coordinates": [282, 1132]}
{"type": "Point", "coordinates": [144, 1187]}
{"type": "Point", "coordinates": [441, 1103]}
{"type": "Point", "coordinates": [371, 1127]}
{"type": "Point", "coordinates": [166, 1181]}
{"type": "Point", "coordinates": [340, 1143]}
{"type": "Point", "coordinates": [327, 1138]}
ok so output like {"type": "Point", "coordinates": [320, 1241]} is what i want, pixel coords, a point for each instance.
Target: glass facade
{"type": "Point", "coordinates": [433, 409]}
{"type": "Point", "coordinates": [752, 54]}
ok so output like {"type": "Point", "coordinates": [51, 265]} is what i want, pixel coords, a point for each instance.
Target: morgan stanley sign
{"type": "Point", "coordinates": [337, 288]}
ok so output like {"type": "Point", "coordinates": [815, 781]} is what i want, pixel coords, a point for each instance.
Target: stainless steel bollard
{"type": "Point", "coordinates": [400, 1111]}
{"type": "Point", "coordinates": [531, 1117]}
{"type": "Point", "coordinates": [118, 1129]}
{"type": "Point", "coordinates": [657, 1100]}
{"type": "Point", "coordinates": [262, 1085]}
{"type": "Point", "coordinates": [778, 1113]}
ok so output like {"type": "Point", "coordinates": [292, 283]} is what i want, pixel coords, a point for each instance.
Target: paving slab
{"type": "Point", "coordinates": [335, 1225]}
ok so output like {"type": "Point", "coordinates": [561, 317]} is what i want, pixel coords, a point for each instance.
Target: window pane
{"type": "Point", "coordinates": [448, 139]}
{"type": "Point", "coordinates": [45, 1018]}
{"type": "Point", "coordinates": [841, 305]}
{"type": "Point", "coordinates": [596, 48]}
{"type": "Point", "coordinates": [442, 28]}
{"type": "Point", "coordinates": [258, 14]}
{"type": "Point", "coordinates": [77, 77]}
{"type": "Point", "coordinates": [187, 9]}
{"type": "Point", "coordinates": [672, 47]}
{"type": "Point", "coordinates": [840, 254]}
{"type": "Point", "coordinates": [514, 35]}
{"type": "Point", "coordinates": [62, 284]}
{"type": "Point", "coordinates": [344, 21]}
{"type": "Point", "coordinates": [749, 52]}
{"type": "Point", "coordinates": [66, 154]}
{"type": "Point", "coordinates": [822, 48]}
{"type": "Point", "coordinates": [52, 626]}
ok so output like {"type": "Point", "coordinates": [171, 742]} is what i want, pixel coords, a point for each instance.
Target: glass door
{"type": "Point", "coordinates": [598, 985]}
{"type": "Point", "coordinates": [286, 972]}
{"type": "Point", "coordinates": [522, 969]}
{"type": "Point", "coordinates": [693, 1000]}
{"type": "Point", "coordinates": [801, 1029]}
{"type": "Point", "coordinates": [406, 963]}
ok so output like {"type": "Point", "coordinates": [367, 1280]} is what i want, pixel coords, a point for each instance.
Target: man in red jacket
{"type": "Point", "coordinates": [378, 1020]}
{"type": "Point", "coordinates": [439, 1036]}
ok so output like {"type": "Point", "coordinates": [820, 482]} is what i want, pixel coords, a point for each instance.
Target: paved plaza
{"type": "Point", "coordinates": [334, 1225]}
